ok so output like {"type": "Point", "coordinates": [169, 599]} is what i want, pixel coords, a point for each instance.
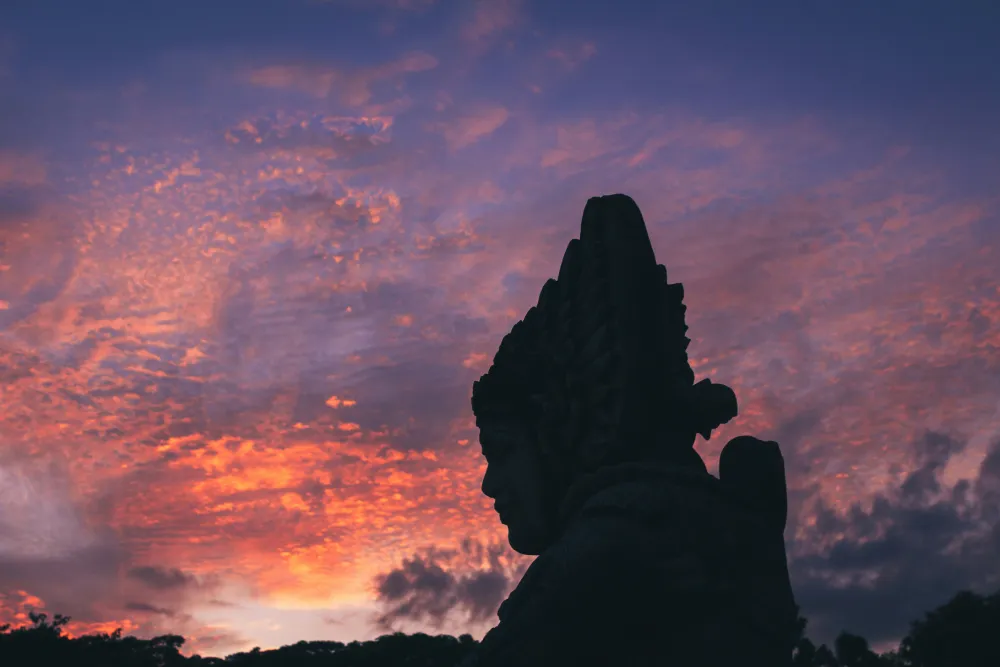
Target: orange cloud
{"type": "Point", "coordinates": [335, 402]}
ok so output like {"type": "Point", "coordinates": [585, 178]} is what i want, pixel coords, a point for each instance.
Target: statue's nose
{"type": "Point", "coordinates": [490, 485]}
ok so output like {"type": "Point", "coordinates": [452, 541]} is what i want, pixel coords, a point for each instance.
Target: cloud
{"type": "Point", "coordinates": [353, 88]}
{"type": "Point", "coordinates": [471, 128]}
{"type": "Point", "coordinates": [572, 57]}
{"type": "Point", "coordinates": [148, 608]}
{"type": "Point", "coordinates": [47, 546]}
{"type": "Point", "coordinates": [39, 519]}
{"type": "Point", "coordinates": [489, 18]}
{"type": "Point", "coordinates": [433, 585]}
{"type": "Point", "coordinates": [19, 169]}
{"type": "Point", "coordinates": [160, 578]}
{"type": "Point", "coordinates": [321, 136]}
{"type": "Point", "coordinates": [579, 142]}
{"type": "Point", "coordinates": [214, 640]}
{"type": "Point", "coordinates": [875, 569]}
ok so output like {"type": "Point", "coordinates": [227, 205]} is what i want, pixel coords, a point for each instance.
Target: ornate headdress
{"type": "Point", "coordinates": [600, 364]}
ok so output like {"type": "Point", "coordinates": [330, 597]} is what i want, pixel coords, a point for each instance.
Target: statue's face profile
{"type": "Point", "coordinates": [515, 481]}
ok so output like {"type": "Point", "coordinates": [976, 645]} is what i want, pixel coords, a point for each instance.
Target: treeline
{"type": "Point", "coordinates": [965, 632]}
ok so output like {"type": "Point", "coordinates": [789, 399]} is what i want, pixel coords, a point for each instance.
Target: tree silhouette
{"type": "Point", "coordinates": [960, 633]}
{"type": "Point", "coordinates": [853, 651]}
{"type": "Point", "coordinates": [44, 643]}
{"type": "Point", "coordinates": [807, 654]}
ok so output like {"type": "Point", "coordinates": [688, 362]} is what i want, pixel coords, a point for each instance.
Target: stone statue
{"type": "Point", "coordinates": [587, 419]}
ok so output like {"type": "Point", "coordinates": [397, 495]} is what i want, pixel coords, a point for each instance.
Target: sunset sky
{"type": "Point", "coordinates": [253, 254]}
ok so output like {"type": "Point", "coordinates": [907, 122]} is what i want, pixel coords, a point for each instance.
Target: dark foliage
{"type": "Point", "coordinates": [43, 643]}
{"type": "Point", "coordinates": [960, 633]}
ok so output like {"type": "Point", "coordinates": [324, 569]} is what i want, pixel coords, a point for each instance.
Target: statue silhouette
{"type": "Point", "coordinates": [587, 419]}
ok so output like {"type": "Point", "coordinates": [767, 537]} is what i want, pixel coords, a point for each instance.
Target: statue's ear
{"type": "Point", "coordinates": [753, 470]}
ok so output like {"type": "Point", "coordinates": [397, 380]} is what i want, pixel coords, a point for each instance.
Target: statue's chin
{"type": "Point", "coordinates": [524, 542]}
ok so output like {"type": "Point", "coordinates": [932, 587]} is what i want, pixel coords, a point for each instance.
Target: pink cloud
{"type": "Point", "coordinates": [353, 87]}
{"type": "Point", "coordinates": [578, 143]}
{"type": "Point", "coordinates": [472, 127]}
{"type": "Point", "coordinates": [25, 169]}
{"type": "Point", "coordinates": [490, 17]}
{"type": "Point", "coordinates": [572, 57]}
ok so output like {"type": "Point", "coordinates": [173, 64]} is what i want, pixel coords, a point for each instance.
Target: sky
{"type": "Point", "coordinates": [253, 255]}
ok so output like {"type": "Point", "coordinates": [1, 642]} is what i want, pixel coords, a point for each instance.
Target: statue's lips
{"type": "Point", "coordinates": [501, 510]}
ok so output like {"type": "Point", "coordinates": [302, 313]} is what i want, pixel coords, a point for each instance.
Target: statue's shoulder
{"type": "Point", "coordinates": [640, 526]}
{"type": "Point", "coordinates": [653, 499]}
{"type": "Point", "coordinates": [666, 529]}
{"type": "Point", "coordinates": [644, 554]}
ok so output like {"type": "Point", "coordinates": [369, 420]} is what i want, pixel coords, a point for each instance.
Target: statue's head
{"type": "Point", "coordinates": [518, 483]}
{"type": "Point", "coordinates": [595, 375]}
{"type": "Point", "coordinates": [509, 412]}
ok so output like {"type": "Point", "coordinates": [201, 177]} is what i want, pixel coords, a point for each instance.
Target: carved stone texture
{"type": "Point", "coordinates": [588, 418]}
